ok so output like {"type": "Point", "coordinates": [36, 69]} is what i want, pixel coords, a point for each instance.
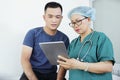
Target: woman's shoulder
{"type": "Point", "coordinates": [100, 34]}
{"type": "Point", "coordinates": [75, 40]}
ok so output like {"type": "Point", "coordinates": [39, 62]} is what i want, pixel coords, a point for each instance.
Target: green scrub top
{"type": "Point", "coordinates": [101, 50]}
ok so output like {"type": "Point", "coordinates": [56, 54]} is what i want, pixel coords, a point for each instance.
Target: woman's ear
{"type": "Point", "coordinates": [89, 19]}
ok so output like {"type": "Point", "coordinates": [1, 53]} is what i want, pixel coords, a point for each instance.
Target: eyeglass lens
{"type": "Point", "coordinates": [78, 22]}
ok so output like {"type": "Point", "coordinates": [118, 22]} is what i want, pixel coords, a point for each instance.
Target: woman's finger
{"type": "Point", "coordinates": [61, 62]}
{"type": "Point", "coordinates": [62, 58]}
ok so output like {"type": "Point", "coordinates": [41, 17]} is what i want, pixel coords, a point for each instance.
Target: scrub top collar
{"type": "Point", "coordinates": [86, 38]}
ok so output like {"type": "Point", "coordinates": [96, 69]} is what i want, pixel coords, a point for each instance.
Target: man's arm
{"type": "Point", "coordinates": [61, 73]}
{"type": "Point", "coordinates": [25, 61]}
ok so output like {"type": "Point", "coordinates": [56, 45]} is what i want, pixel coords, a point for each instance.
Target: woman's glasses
{"type": "Point", "coordinates": [78, 22]}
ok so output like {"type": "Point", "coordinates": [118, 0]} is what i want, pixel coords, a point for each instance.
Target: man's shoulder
{"type": "Point", "coordinates": [61, 33]}
{"type": "Point", "coordinates": [36, 29]}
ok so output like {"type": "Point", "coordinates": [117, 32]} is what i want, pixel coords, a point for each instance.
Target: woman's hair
{"type": "Point", "coordinates": [83, 11]}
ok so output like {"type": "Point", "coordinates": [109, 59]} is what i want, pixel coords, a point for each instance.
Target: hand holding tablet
{"type": "Point", "coordinates": [53, 49]}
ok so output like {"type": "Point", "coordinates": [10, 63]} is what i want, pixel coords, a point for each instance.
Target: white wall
{"type": "Point", "coordinates": [16, 18]}
{"type": "Point", "coordinates": [107, 21]}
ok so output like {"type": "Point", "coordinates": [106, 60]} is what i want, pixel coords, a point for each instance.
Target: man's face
{"type": "Point", "coordinates": [53, 17]}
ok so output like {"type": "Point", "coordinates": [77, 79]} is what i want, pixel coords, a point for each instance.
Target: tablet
{"type": "Point", "coordinates": [53, 49]}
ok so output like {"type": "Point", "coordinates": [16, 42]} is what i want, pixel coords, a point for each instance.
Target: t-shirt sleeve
{"type": "Point", "coordinates": [67, 42]}
{"type": "Point", "coordinates": [105, 49]}
{"type": "Point", "coordinates": [29, 39]}
{"type": "Point", "coordinates": [70, 46]}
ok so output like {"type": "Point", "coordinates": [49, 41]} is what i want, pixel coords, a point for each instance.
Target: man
{"type": "Point", "coordinates": [34, 62]}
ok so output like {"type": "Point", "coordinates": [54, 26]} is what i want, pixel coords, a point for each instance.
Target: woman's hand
{"type": "Point", "coordinates": [99, 67]}
{"type": "Point", "coordinates": [68, 63]}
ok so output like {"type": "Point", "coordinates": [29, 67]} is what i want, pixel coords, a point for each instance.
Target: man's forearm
{"type": "Point", "coordinates": [61, 73]}
{"type": "Point", "coordinates": [28, 70]}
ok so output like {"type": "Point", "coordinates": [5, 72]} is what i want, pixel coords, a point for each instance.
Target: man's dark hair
{"type": "Point", "coordinates": [53, 5]}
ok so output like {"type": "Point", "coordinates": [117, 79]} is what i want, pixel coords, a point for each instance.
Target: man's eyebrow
{"type": "Point", "coordinates": [58, 15]}
{"type": "Point", "coordinates": [53, 15]}
{"type": "Point", "coordinates": [50, 14]}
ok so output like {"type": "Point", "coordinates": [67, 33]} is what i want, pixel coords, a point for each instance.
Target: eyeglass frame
{"type": "Point", "coordinates": [76, 23]}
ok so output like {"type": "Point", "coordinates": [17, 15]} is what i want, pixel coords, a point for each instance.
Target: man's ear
{"type": "Point", "coordinates": [61, 17]}
{"type": "Point", "coordinates": [44, 17]}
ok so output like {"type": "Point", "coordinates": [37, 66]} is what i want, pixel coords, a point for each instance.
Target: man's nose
{"type": "Point", "coordinates": [54, 19]}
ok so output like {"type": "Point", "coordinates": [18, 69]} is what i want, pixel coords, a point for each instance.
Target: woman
{"type": "Point", "coordinates": [91, 54]}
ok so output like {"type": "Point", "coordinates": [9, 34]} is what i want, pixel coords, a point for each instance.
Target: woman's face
{"type": "Point", "coordinates": [80, 23]}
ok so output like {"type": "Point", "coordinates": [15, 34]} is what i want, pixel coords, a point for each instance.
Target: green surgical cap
{"type": "Point", "coordinates": [83, 11]}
